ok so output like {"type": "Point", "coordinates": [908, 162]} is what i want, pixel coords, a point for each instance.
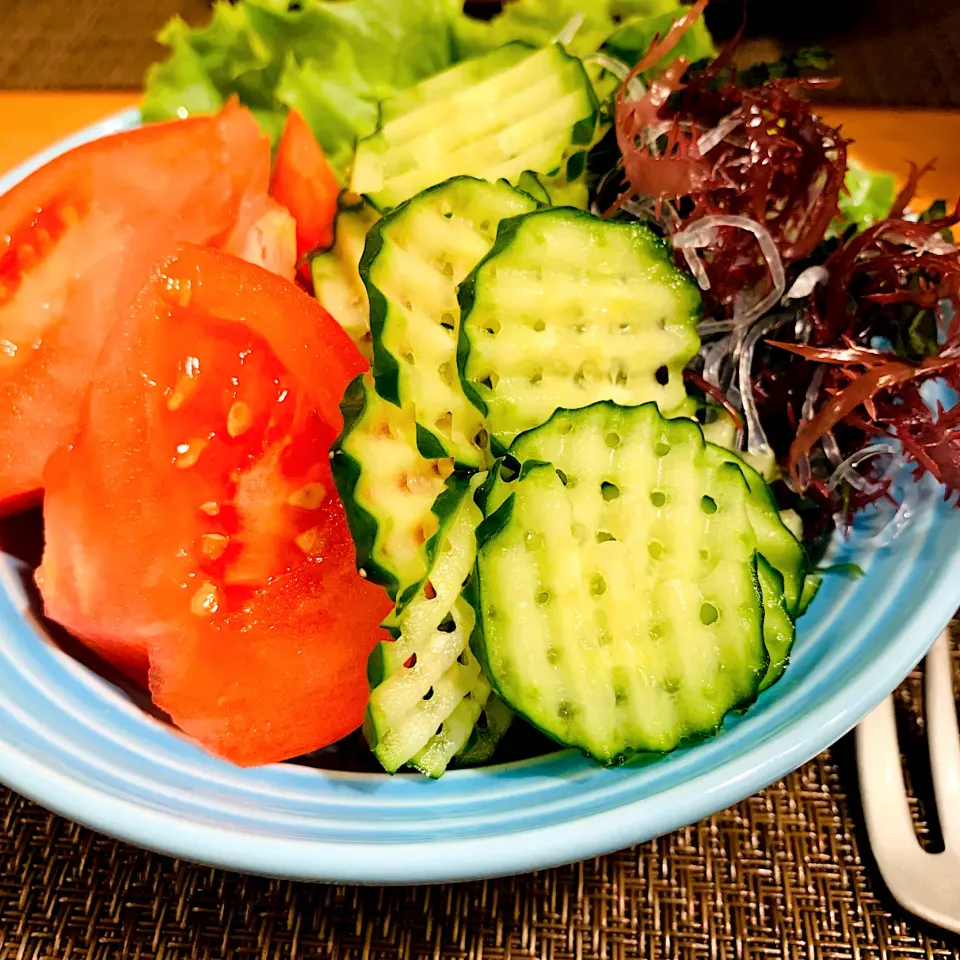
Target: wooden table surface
{"type": "Point", "coordinates": [884, 139]}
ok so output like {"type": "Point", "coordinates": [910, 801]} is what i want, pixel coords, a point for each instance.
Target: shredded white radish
{"type": "Point", "coordinates": [831, 448]}
{"type": "Point", "coordinates": [756, 438]}
{"type": "Point", "coordinates": [713, 360]}
{"type": "Point", "coordinates": [620, 70]}
{"type": "Point", "coordinates": [641, 209]}
{"type": "Point", "coordinates": [813, 391]}
{"type": "Point", "coordinates": [709, 327]}
{"type": "Point", "coordinates": [719, 133]}
{"type": "Point", "coordinates": [696, 267]}
{"type": "Point", "coordinates": [847, 469]}
{"type": "Point", "coordinates": [701, 233]}
{"type": "Point", "coordinates": [805, 284]}
{"type": "Point", "coordinates": [566, 36]}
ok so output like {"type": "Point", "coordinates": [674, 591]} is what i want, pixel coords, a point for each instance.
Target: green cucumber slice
{"type": "Point", "coordinates": [489, 729]}
{"type": "Point", "coordinates": [555, 191]}
{"type": "Point", "coordinates": [511, 110]}
{"type": "Point", "coordinates": [811, 587]}
{"type": "Point", "coordinates": [530, 183]}
{"type": "Point", "coordinates": [396, 500]}
{"type": "Point", "coordinates": [336, 275]}
{"type": "Point", "coordinates": [779, 630]}
{"type": "Point", "coordinates": [427, 688]}
{"type": "Point", "coordinates": [618, 602]}
{"type": "Point", "coordinates": [568, 309]}
{"type": "Point", "coordinates": [414, 259]}
{"type": "Point", "coordinates": [775, 540]}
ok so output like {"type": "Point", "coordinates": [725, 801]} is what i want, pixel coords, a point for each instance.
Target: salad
{"type": "Point", "coordinates": [446, 379]}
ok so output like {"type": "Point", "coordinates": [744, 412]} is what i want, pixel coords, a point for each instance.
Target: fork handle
{"type": "Point", "coordinates": [883, 791]}
{"type": "Point", "coordinates": [944, 737]}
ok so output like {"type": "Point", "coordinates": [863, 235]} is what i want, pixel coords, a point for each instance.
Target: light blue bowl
{"type": "Point", "coordinates": [78, 745]}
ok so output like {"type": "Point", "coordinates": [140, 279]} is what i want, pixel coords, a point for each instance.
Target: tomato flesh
{"type": "Point", "coordinates": [265, 234]}
{"type": "Point", "coordinates": [306, 185]}
{"type": "Point", "coordinates": [78, 239]}
{"type": "Point", "coordinates": [193, 523]}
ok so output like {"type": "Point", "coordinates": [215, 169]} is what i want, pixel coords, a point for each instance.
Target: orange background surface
{"type": "Point", "coordinates": [883, 139]}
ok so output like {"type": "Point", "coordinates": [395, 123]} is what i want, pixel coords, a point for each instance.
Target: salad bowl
{"type": "Point", "coordinates": [80, 744]}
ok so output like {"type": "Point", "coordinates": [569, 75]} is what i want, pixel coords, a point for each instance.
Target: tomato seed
{"type": "Point", "coordinates": [186, 387]}
{"type": "Point", "coordinates": [206, 601]}
{"type": "Point", "coordinates": [211, 508]}
{"type": "Point", "coordinates": [239, 418]}
{"type": "Point", "coordinates": [213, 545]}
{"type": "Point", "coordinates": [308, 540]}
{"type": "Point", "coordinates": [189, 453]}
{"type": "Point", "coordinates": [308, 497]}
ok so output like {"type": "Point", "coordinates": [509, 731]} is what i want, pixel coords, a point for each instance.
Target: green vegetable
{"type": "Point", "coordinates": [427, 694]}
{"type": "Point", "coordinates": [336, 275]}
{"type": "Point", "coordinates": [644, 21]}
{"type": "Point", "coordinates": [413, 262]}
{"type": "Point", "coordinates": [779, 630]}
{"type": "Point", "coordinates": [494, 721]}
{"type": "Point", "coordinates": [868, 197]}
{"type": "Point", "coordinates": [569, 309]}
{"type": "Point", "coordinates": [396, 500]}
{"type": "Point", "coordinates": [512, 110]}
{"type": "Point", "coordinates": [776, 541]}
{"type": "Point", "coordinates": [538, 22]}
{"type": "Point", "coordinates": [625, 28]}
{"type": "Point", "coordinates": [333, 61]}
{"type": "Point", "coordinates": [618, 602]}
{"type": "Point", "coordinates": [794, 64]}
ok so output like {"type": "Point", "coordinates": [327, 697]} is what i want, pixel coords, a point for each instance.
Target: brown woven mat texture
{"type": "Point", "coordinates": [889, 52]}
{"type": "Point", "coordinates": [786, 873]}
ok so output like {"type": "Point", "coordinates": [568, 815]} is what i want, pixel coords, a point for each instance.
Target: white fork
{"type": "Point", "coordinates": [926, 884]}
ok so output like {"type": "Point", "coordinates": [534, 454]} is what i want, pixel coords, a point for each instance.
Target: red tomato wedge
{"type": "Point", "coordinates": [78, 239]}
{"type": "Point", "coordinates": [193, 524]}
{"type": "Point", "coordinates": [305, 184]}
{"type": "Point", "coordinates": [265, 234]}
{"type": "Point", "coordinates": [286, 674]}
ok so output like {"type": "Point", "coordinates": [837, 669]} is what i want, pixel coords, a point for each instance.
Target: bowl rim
{"type": "Point", "coordinates": [432, 861]}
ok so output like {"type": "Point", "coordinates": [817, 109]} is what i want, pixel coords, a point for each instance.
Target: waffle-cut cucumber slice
{"type": "Point", "coordinates": [455, 731]}
{"type": "Point", "coordinates": [442, 86]}
{"type": "Point", "coordinates": [776, 542]}
{"type": "Point", "coordinates": [779, 630]}
{"type": "Point", "coordinates": [811, 587]}
{"type": "Point", "coordinates": [397, 501]}
{"type": "Point", "coordinates": [336, 275]}
{"type": "Point", "coordinates": [414, 259]}
{"type": "Point", "coordinates": [568, 309]}
{"type": "Point", "coordinates": [511, 110]}
{"type": "Point", "coordinates": [530, 183]}
{"type": "Point", "coordinates": [491, 727]}
{"type": "Point", "coordinates": [618, 603]}
{"type": "Point", "coordinates": [555, 191]}
{"type": "Point", "coordinates": [427, 690]}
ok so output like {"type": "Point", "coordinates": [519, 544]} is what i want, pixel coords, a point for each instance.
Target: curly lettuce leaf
{"type": "Point", "coordinates": [624, 28]}
{"type": "Point", "coordinates": [643, 21]}
{"type": "Point", "coordinates": [335, 61]}
{"type": "Point", "coordinates": [537, 22]}
{"type": "Point", "coordinates": [868, 197]}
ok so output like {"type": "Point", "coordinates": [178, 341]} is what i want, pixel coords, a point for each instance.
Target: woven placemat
{"type": "Point", "coordinates": [107, 44]}
{"type": "Point", "coordinates": [785, 873]}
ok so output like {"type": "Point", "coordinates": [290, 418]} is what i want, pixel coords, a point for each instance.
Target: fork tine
{"type": "Point", "coordinates": [883, 791]}
{"type": "Point", "coordinates": [944, 738]}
